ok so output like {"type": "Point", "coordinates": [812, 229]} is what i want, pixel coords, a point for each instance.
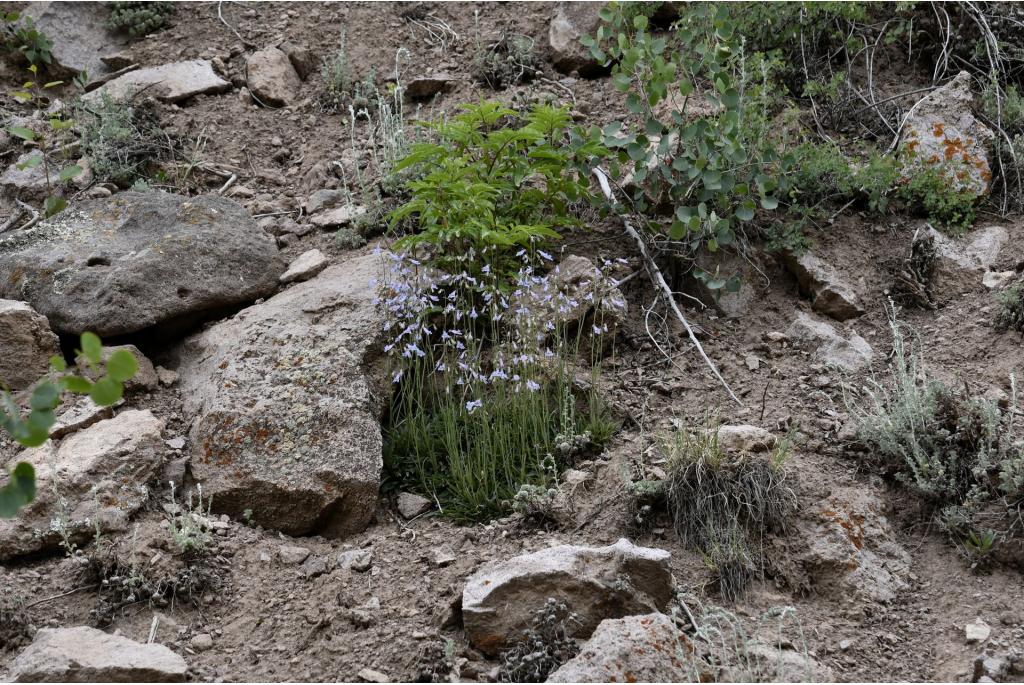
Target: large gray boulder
{"type": "Point", "coordinates": [173, 82]}
{"type": "Point", "coordinates": [286, 405]}
{"type": "Point", "coordinates": [941, 132]}
{"type": "Point", "coordinates": [595, 583]}
{"type": "Point", "coordinates": [26, 345]}
{"type": "Point", "coordinates": [134, 261]}
{"type": "Point", "coordinates": [94, 479]}
{"type": "Point", "coordinates": [87, 655]}
{"type": "Point", "coordinates": [79, 34]}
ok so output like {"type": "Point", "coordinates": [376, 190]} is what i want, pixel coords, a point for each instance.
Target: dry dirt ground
{"type": "Point", "coordinates": [270, 623]}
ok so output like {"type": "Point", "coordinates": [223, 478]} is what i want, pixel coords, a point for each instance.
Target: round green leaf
{"type": "Point", "coordinates": [106, 391]}
{"type": "Point", "coordinates": [92, 348]}
{"type": "Point", "coordinates": [122, 365]}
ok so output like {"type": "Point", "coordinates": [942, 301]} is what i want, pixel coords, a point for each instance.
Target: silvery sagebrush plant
{"type": "Point", "coordinates": [484, 371]}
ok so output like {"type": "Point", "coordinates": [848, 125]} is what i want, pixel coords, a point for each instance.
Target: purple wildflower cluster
{"type": "Point", "coordinates": [488, 329]}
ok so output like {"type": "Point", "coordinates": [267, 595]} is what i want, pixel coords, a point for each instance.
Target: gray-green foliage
{"type": "Point", "coordinates": [1011, 308]}
{"type": "Point", "coordinates": [508, 61]}
{"type": "Point", "coordinates": [32, 429]}
{"type": "Point", "coordinates": [959, 452]}
{"type": "Point", "coordinates": [344, 87]}
{"type": "Point", "coordinates": [722, 504]}
{"type": "Point", "coordinates": [120, 141]}
{"type": "Point", "coordinates": [711, 157]}
{"type": "Point", "coordinates": [139, 19]}
{"type": "Point", "coordinates": [543, 647]}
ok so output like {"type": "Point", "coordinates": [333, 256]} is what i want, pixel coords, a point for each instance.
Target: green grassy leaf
{"type": "Point", "coordinates": [19, 491]}
{"type": "Point", "coordinates": [122, 365]}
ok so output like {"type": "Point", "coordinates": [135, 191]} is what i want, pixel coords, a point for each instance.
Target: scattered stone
{"type": "Point", "coordinates": [272, 78]}
{"type": "Point", "coordinates": [977, 631]}
{"type": "Point", "coordinates": [410, 506]}
{"type": "Point", "coordinates": [339, 216]}
{"type": "Point", "coordinates": [572, 21]}
{"type": "Point", "coordinates": [428, 86]}
{"type": "Point", "coordinates": [144, 379]}
{"type": "Point", "coordinates": [78, 35]}
{"type": "Point", "coordinates": [845, 645]}
{"type": "Point", "coordinates": [100, 474]}
{"type": "Point", "coordinates": [27, 344]}
{"type": "Point", "coordinates": [830, 294]}
{"type": "Point", "coordinates": [359, 560]}
{"type": "Point", "coordinates": [313, 566]}
{"type": "Point", "coordinates": [302, 59]}
{"type": "Point", "coordinates": [993, 667]}
{"type": "Point", "coordinates": [647, 649]}
{"type": "Point", "coordinates": [368, 675]}
{"type": "Point", "coordinates": [942, 132]}
{"type": "Point", "coordinates": [202, 642]}
{"type": "Point", "coordinates": [745, 438]}
{"type": "Point", "coordinates": [595, 582]}
{"type": "Point", "coordinates": [850, 354]}
{"type": "Point", "coordinates": [83, 654]}
{"type": "Point", "coordinates": [306, 455]}
{"type": "Point", "coordinates": [305, 266]}
{"type": "Point", "coordinates": [169, 82]}
{"type": "Point", "coordinates": [79, 415]}
{"type": "Point", "coordinates": [997, 280]}
{"type": "Point", "coordinates": [325, 198]}
{"type": "Point", "coordinates": [137, 261]}
{"type": "Point", "coordinates": [847, 545]}
{"type": "Point", "coordinates": [752, 362]}
{"type": "Point", "coordinates": [23, 180]}
{"type": "Point", "coordinates": [443, 558]}
{"type": "Point", "coordinates": [166, 377]}
{"type": "Point", "coordinates": [977, 251]}
{"type": "Point", "coordinates": [176, 443]}
{"type": "Point", "coordinates": [292, 554]}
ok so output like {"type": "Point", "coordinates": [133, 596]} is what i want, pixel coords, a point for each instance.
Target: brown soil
{"type": "Point", "coordinates": [269, 623]}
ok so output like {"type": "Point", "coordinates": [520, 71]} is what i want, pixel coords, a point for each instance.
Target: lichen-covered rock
{"type": "Point", "coordinates": [94, 479]}
{"type": "Point", "coordinates": [830, 294]}
{"type": "Point", "coordinates": [135, 261]}
{"type": "Point", "coordinates": [168, 82]}
{"type": "Point", "coordinates": [286, 405]}
{"type": "Point", "coordinates": [594, 582]}
{"type": "Point", "coordinates": [648, 648]}
{"type": "Point", "coordinates": [272, 78]}
{"type": "Point", "coordinates": [941, 132]}
{"type": "Point", "coordinates": [26, 345]}
{"type": "Point", "coordinates": [847, 546]}
{"type": "Point", "coordinates": [850, 353]}
{"type": "Point", "coordinates": [87, 655]}
{"type": "Point", "coordinates": [745, 438]}
{"type": "Point", "coordinates": [424, 87]}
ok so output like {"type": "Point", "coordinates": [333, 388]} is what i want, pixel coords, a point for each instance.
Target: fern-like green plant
{"type": "Point", "coordinates": [493, 182]}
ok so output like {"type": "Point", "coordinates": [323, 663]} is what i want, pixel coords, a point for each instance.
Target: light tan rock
{"type": "Point", "coordinates": [26, 345]}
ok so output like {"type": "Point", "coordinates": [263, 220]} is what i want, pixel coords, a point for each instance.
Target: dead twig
{"type": "Point", "coordinates": [662, 285]}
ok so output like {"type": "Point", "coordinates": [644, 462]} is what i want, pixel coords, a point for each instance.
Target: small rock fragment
{"type": "Point", "coordinates": [202, 642]}
{"type": "Point", "coordinates": [411, 505]}
{"type": "Point", "coordinates": [305, 266]}
{"type": "Point", "coordinates": [977, 631]}
{"type": "Point", "coordinates": [356, 560]}
{"type": "Point", "coordinates": [292, 554]}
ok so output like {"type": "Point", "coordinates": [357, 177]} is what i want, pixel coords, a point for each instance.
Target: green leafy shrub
{"type": "Point", "coordinates": [33, 429]}
{"type": "Point", "coordinates": [959, 453]}
{"type": "Point", "coordinates": [21, 35]}
{"type": "Point", "coordinates": [721, 503]}
{"type": "Point", "coordinates": [51, 142]}
{"type": "Point", "coordinates": [710, 156]}
{"type": "Point", "coordinates": [929, 191]}
{"type": "Point", "coordinates": [494, 182]}
{"type": "Point", "coordinates": [139, 18]}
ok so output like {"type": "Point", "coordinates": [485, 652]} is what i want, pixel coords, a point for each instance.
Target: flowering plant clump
{"type": "Point", "coordinates": [485, 379]}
